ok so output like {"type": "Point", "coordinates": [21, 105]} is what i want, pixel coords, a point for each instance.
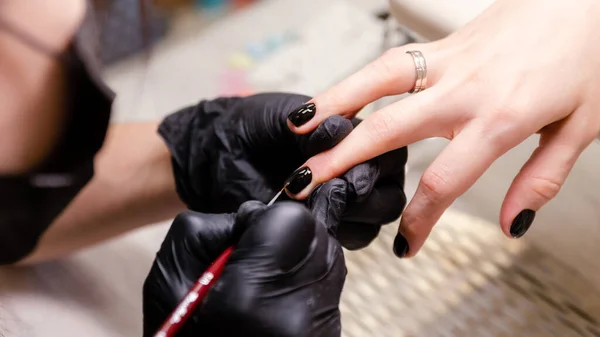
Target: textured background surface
{"type": "Point", "coordinates": [469, 280]}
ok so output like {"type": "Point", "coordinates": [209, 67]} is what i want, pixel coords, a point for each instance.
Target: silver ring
{"type": "Point", "coordinates": [420, 71]}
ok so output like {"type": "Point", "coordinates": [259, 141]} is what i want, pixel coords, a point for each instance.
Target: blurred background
{"type": "Point", "coordinates": [469, 280]}
{"type": "Point", "coordinates": [205, 48]}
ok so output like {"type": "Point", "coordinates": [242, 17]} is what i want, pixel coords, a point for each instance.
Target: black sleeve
{"type": "Point", "coordinates": [29, 204]}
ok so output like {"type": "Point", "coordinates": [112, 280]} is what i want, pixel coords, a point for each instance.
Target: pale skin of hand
{"type": "Point", "coordinates": [520, 68]}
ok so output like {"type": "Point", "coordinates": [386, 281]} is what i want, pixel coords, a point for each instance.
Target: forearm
{"type": "Point", "coordinates": [133, 186]}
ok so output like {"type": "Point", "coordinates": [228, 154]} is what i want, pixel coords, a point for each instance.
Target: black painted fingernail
{"type": "Point", "coordinates": [303, 114]}
{"type": "Point", "coordinates": [521, 223]}
{"type": "Point", "coordinates": [298, 180]}
{"type": "Point", "coordinates": [400, 246]}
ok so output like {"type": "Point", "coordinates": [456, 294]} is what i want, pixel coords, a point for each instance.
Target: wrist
{"type": "Point", "coordinates": [132, 187]}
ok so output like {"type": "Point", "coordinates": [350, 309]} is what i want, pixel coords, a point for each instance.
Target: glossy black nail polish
{"type": "Point", "coordinates": [298, 180]}
{"type": "Point", "coordinates": [303, 114]}
{"type": "Point", "coordinates": [400, 246]}
{"type": "Point", "coordinates": [521, 223]}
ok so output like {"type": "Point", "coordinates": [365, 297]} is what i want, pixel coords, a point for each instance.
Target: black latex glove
{"type": "Point", "coordinates": [284, 278]}
{"type": "Point", "coordinates": [231, 150]}
{"type": "Point", "coordinates": [356, 205]}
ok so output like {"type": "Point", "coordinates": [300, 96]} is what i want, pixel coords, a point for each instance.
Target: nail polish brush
{"type": "Point", "coordinates": [278, 194]}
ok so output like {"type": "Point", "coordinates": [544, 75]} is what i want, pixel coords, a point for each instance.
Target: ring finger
{"type": "Point", "coordinates": [391, 74]}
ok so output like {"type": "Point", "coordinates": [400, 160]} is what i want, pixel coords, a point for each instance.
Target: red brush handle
{"type": "Point", "coordinates": [194, 297]}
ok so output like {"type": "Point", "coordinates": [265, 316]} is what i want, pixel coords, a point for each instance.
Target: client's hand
{"type": "Point", "coordinates": [284, 278]}
{"type": "Point", "coordinates": [231, 150]}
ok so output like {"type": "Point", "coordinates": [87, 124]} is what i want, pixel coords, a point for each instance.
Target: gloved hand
{"type": "Point", "coordinates": [356, 205]}
{"type": "Point", "coordinates": [231, 150]}
{"type": "Point", "coordinates": [284, 278]}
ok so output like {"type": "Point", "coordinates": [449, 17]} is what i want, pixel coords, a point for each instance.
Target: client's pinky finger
{"type": "Point", "coordinates": [541, 178]}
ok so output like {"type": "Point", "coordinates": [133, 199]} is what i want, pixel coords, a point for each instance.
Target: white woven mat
{"type": "Point", "coordinates": [468, 280]}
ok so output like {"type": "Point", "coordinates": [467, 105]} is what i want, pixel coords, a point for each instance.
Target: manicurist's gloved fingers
{"type": "Point", "coordinates": [383, 205]}
{"type": "Point", "coordinates": [355, 224]}
{"type": "Point", "coordinates": [327, 135]}
{"type": "Point", "coordinates": [363, 177]}
{"type": "Point", "coordinates": [328, 203]}
{"type": "Point", "coordinates": [362, 221]}
{"type": "Point", "coordinates": [198, 238]}
{"type": "Point", "coordinates": [280, 235]}
{"type": "Point", "coordinates": [355, 235]}
{"type": "Point", "coordinates": [193, 242]}
{"type": "Point", "coordinates": [245, 212]}
{"type": "Point", "coordinates": [284, 278]}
